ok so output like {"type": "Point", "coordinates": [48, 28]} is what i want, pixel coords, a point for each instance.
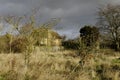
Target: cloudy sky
{"type": "Point", "coordinates": [73, 13]}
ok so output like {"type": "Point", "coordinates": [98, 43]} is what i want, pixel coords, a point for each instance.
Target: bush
{"type": "Point", "coordinates": [5, 43]}
{"type": "Point", "coordinates": [19, 45]}
{"type": "Point", "coordinates": [89, 35]}
{"type": "Point", "coordinates": [70, 44]}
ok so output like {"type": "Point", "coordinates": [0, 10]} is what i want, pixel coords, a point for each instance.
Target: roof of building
{"type": "Point", "coordinates": [56, 35]}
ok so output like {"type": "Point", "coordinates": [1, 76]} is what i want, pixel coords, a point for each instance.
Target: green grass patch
{"type": "Point", "coordinates": [116, 60]}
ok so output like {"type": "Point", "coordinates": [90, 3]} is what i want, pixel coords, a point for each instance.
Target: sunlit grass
{"type": "Point", "coordinates": [57, 65]}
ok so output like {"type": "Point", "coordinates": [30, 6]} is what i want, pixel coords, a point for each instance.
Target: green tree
{"type": "Point", "coordinates": [89, 35]}
{"type": "Point", "coordinates": [88, 43]}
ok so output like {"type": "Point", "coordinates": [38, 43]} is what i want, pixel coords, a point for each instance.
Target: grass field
{"type": "Point", "coordinates": [60, 65]}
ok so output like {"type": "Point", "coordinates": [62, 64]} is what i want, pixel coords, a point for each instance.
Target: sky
{"type": "Point", "coordinates": [74, 14]}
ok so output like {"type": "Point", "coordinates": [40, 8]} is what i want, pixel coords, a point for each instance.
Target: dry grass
{"type": "Point", "coordinates": [60, 65]}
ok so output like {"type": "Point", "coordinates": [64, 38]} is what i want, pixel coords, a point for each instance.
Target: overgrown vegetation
{"type": "Point", "coordinates": [83, 58]}
{"type": "Point", "coordinates": [71, 44]}
{"type": "Point", "coordinates": [20, 45]}
{"type": "Point", "coordinates": [89, 36]}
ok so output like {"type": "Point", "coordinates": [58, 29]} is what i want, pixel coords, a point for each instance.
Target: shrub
{"type": "Point", "coordinates": [89, 35]}
{"type": "Point", "coordinates": [5, 43]}
{"type": "Point", "coordinates": [70, 44]}
{"type": "Point", "coordinates": [19, 45]}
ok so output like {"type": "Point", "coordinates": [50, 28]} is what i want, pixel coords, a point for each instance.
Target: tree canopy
{"type": "Point", "coordinates": [89, 35]}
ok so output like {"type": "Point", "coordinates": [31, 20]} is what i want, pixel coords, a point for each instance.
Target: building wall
{"type": "Point", "coordinates": [57, 42]}
{"type": "Point", "coordinates": [51, 40]}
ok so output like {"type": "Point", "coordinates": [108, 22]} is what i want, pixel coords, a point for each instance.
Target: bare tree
{"type": "Point", "coordinates": [109, 21]}
{"type": "Point", "coordinates": [14, 21]}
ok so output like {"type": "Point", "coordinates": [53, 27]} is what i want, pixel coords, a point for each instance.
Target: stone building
{"type": "Point", "coordinates": [52, 39]}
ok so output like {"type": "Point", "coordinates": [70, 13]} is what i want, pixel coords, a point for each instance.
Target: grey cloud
{"type": "Point", "coordinates": [71, 12]}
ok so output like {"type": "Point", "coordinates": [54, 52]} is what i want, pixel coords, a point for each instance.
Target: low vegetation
{"type": "Point", "coordinates": [60, 65]}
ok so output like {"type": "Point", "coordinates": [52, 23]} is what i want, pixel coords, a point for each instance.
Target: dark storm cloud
{"type": "Point", "coordinates": [73, 13]}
